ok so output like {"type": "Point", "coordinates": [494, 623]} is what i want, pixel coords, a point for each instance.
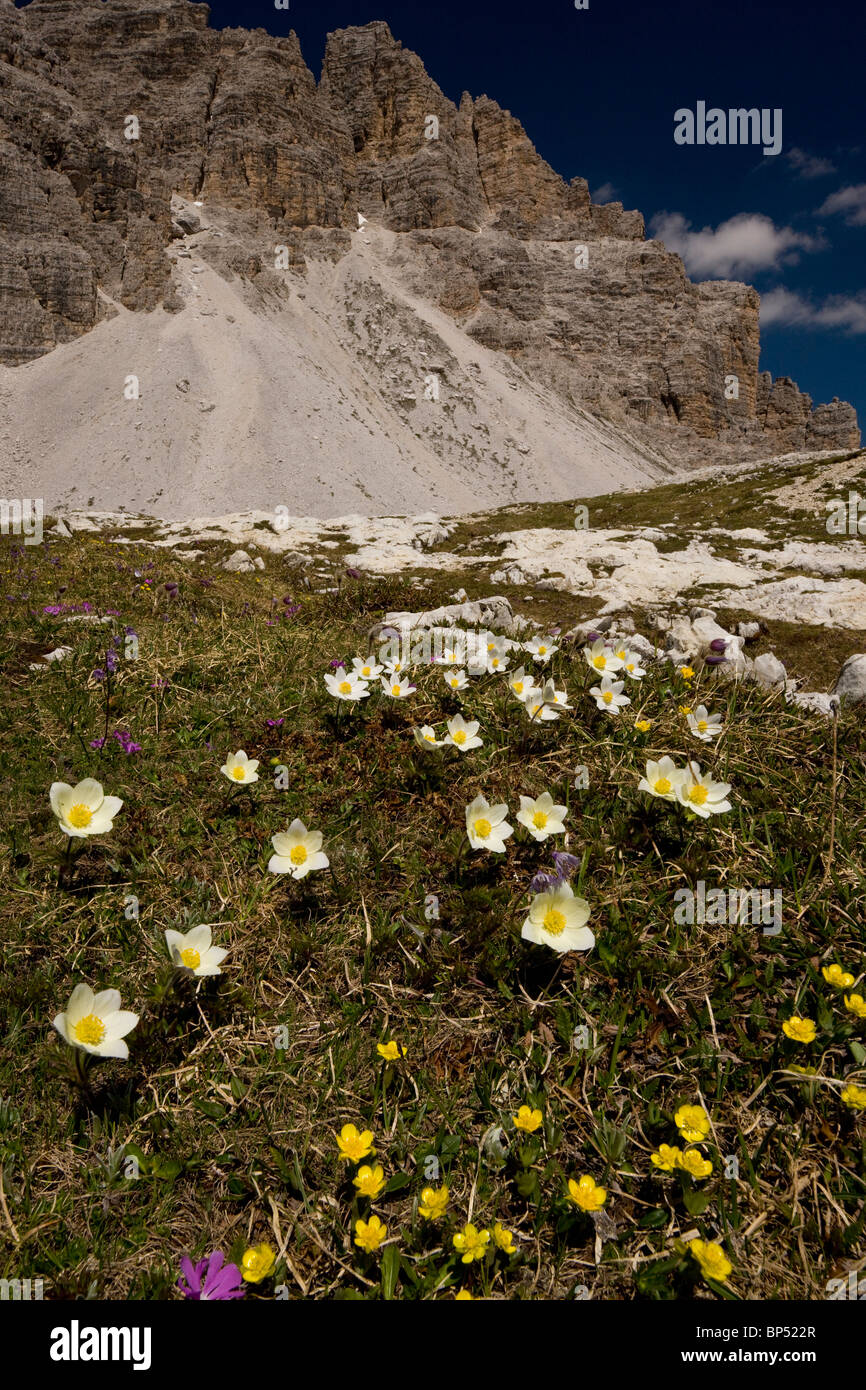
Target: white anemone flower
{"type": "Point", "coordinates": [394, 668]}
{"type": "Point", "coordinates": [193, 951]}
{"type": "Point", "coordinates": [346, 686]}
{"type": "Point", "coordinates": [600, 657]}
{"type": "Point", "coordinates": [241, 769]}
{"type": "Point", "coordinates": [455, 680]}
{"type": "Point", "coordinates": [298, 851]}
{"type": "Point", "coordinates": [367, 668]}
{"type": "Point", "coordinates": [662, 779]}
{"type": "Point", "coordinates": [551, 696]}
{"type": "Point", "coordinates": [462, 733]}
{"type": "Point", "coordinates": [83, 809]}
{"type": "Point", "coordinates": [537, 708]}
{"type": "Point", "coordinates": [96, 1022]}
{"type": "Point", "coordinates": [608, 696]}
{"type": "Point", "coordinates": [496, 661]}
{"type": "Point", "coordinates": [425, 737]}
{"type": "Point", "coordinates": [397, 687]}
{"type": "Point", "coordinates": [631, 666]}
{"type": "Point", "coordinates": [704, 726]}
{"type": "Point", "coordinates": [520, 684]}
{"type": "Point", "coordinates": [541, 649]}
{"type": "Point", "coordinates": [558, 919]}
{"type": "Point", "coordinates": [541, 817]}
{"type": "Point", "coordinates": [451, 656]}
{"type": "Point", "coordinates": [701, 794]}
{"type": "Point", "coordinates": [486, 825]}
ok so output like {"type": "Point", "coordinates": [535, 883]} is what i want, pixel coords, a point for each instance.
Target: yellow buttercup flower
{"type": "Point", "coordinates": [687, 673]}
{"type": "Point", "coordinates": [464, 1296]}
{"type": "Point", "coordinates": [433, 1203]}
{"type": "Point", "coordinates": [471, 1243]}
{"type": "Point", "coordinates": [503, 1239]}
{"type": "Point", "coordinates": [799, 1029]}
{"type": "Point", "coordinates": [856, 1004]}
{"type": "Point", "coordinates": [527, 1120]}
{"type": "Point", "coordinates": [257, 1263]}
{"type": "Point", "coordinates": [694, 1163]}
{"type": "Point", "coordinates": [353, 1145]}
{"type": "Point", "coordinates": [390, 1051]}
{"type": "Point", "coordinates": [854, 1096]}
{"type": "Point", "coordinates": [712, 1259]}
{"type": "Point", "coordinates": [369, 1181]}
{"type": "Point", "coordinates": [685, 709]}
{"type": "Point", "coordinates": [693, 1123]}
{"type": "Point", "coordinates": [586, 1194]}
{"type": "Point", "coordinates": [643, 726]}
{"type": "Point", "coordinates": [835, 975]}
{"type": "Point", "coordinates": [370, 1234]}
{"type": "Point", "coordinates": [667, 1157]}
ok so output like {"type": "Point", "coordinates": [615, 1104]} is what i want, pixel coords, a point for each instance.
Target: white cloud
{"type": "Point", "coordinates": [809, 166]}
{"type": "Point", "coordinates": [851, 201]}
{"type": "Point", "coordinates": [607, 193]}
{"type": "Point", "coordinates": [845, 313]}
{"type": "Point", "coordinates": [743, 245]}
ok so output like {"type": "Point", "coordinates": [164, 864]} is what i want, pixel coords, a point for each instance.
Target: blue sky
{"type": "Point", "coordinates": [597, 90]}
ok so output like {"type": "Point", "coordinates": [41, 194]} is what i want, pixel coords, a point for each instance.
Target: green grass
{"type": "Point", "coordinates": [234, 1136]}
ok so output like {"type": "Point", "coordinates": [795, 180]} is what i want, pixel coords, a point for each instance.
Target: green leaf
{"type": "Point", "coordinates": [390, 1270]}
{"type": "Point", "coordinates": [211, 1108]}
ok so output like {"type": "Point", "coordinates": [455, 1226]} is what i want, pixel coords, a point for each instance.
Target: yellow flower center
{"type": "Point", "coordinates": [698, 794]}
{"type": "Point", "coordinates": [539, 820]}
{"type": "Point", "coordinates": [459, 736]}
{"type": "Point", "coordinates": [518, 687]}
{"type": "Point", "coordinates": [702, 726]}
{"type": "Point", "coordinates": [483, 828]}
{"type": "Point", "coordinates": [298, 854]}
{"type": "Point", "coordinates": [365, 670]}
{"type": "Point", "coordinates": [190, 958]}
{"type": "Point", "coordinates": [454, 682]}
{"type": "Point", "coordinates": [345, 687]}
{"type": "Point", "coordinates": [663, 786]}
{"type": "Point", "coordinates": [599, 662]}
{"type": "Point", "coordinates": [431, 738]}
{"type": "Point", "coordinates": [238, 773]}
{"type": "Point", "coordinates": [80, 816]}
{"type": "Point", "coordinates": [89, 1030]}
{"type": "Point", "coordinates": [542, 651]}
{"type": "Point", "coordinates": [395, 690]}
{"type": "Point", "coordinates": [607, 696]}
{"type": "Point", "coordinates": [554, 922]}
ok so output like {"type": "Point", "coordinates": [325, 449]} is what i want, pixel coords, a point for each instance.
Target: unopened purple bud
{"type": "Point", "coordinates": [352, 572]}
{"type": "Point", "coordinates": [715, 661]}
{"type": "Point", "coordinates": [719, 646]}
{"type": "Point", "coordinates": [566, 864]}
{"type": "Point", "coordinates": [542, 881]}
{"type": "Point", "coordinates": [593, 636]}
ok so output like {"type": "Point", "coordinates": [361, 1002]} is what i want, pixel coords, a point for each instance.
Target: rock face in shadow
{"type": "Point", "coordinates": [523, 262]}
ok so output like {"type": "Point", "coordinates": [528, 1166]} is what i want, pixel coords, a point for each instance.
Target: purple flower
{"type": "Point", "coordinates": [53, 609]}
{"type": "Point", "coordinates": [335, 665]}
{"type": "Point", "coordinates": [719, 646]}
{"type": "Point", "coordinates": [715, 661]}
{"type": "Point", "coordinates": [542, 881]}
{"type": "Point", "coordinates": [274, 723]}
{"type": "Point", "coordinates": [593, 637]}
{"type": "Point", "coordinates": [97, 743]}
{"type": "Point", "coordinates": [352, 572]}
{"type": "Point", "coordinates": [98, 674]}
{"type": "Point", "coordinates": [565, 864]}
{"type": "Point", "coordinates": [211, 1279]}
